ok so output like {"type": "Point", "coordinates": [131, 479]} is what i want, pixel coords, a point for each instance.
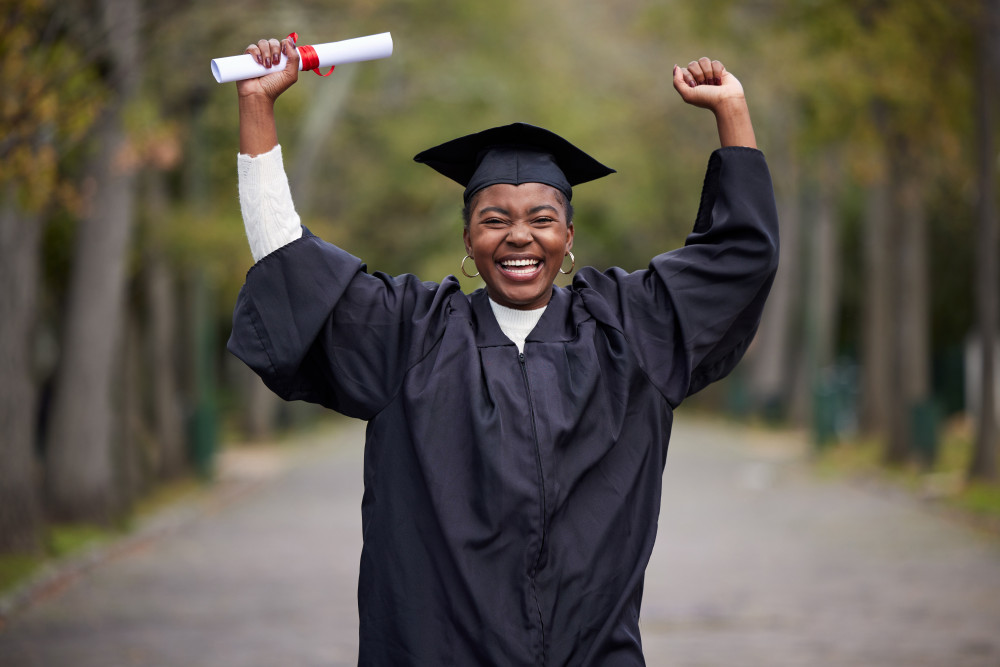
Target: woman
{"type": "Point", "coordinates": [516, 436]}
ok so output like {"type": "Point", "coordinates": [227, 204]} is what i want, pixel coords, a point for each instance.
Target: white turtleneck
{"type": "Point", "coordinates": [516, 324]}
{"type": "Point", "coordinates": [271, 221]}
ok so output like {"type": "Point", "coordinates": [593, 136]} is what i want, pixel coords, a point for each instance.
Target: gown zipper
{"type": "Point", "coordinates": [541, 483]}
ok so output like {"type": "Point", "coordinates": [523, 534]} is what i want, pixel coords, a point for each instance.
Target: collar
{"type": "Point", "coordinates": [555, 325]}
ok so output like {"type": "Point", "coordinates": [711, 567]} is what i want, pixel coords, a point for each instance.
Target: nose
{"type": "Point", "coordinates": [519, 235]}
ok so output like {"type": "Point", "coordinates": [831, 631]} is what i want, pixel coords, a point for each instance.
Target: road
{"type": "Point", "coordinates": [758, 562]}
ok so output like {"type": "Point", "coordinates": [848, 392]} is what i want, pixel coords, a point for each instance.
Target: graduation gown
{"type": "Point", "coordinates": [511, 500]}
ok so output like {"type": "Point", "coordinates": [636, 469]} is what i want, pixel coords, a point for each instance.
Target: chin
{"type": "Point", "coordinates": [521, 301]}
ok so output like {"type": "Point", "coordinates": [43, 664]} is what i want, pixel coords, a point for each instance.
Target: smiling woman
{"type": "Point", "coordinates": [518, 236]}
{"type": "Point", "coordinates": [516, 435]}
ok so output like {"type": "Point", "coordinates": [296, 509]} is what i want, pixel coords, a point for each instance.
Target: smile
{"type": "Point", "coordinates": [519, 267]}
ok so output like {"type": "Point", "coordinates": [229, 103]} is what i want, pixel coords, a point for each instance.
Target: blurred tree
{"type": "Point", "coordinates": [45, 109]}
{"type": "Point", "coordinates": [984, 463]}
{"type": "Point", "coordinates": [20, 510]}
{"type": "Point", "coordinates": [80, 476]}
{"type": "Point", "coordinates": [885, 121]}
{"type": "Point", "coordinates": [160, 296]}
{"type": "Point", "coordinates": [876, 338]}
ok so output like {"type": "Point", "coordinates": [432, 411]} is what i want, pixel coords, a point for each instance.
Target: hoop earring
{"type": "Point", "coordinates": [466, 273]}
{"type": "Point", "coordinates": [571, 266]}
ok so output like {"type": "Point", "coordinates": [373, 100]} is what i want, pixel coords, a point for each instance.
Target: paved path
{"type": "Point", "coordinates": [758, 563]}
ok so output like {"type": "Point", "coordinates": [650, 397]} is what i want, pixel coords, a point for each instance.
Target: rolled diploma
{"type": "Point", "coordinates": [372, 47]}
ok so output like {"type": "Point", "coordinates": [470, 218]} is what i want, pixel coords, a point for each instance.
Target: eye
{"type": "Point", "coordinates": [544, 220]}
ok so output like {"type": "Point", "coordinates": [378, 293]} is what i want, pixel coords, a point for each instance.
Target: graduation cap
{"type": "Point", "coordinates": [514, 154]}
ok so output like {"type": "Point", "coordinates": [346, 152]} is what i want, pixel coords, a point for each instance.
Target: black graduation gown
{"type": "Point", "coordinates": [511, 500]}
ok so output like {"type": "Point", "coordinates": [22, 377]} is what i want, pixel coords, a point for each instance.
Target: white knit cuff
{"type": "Point", "coordinates": [266, 202]}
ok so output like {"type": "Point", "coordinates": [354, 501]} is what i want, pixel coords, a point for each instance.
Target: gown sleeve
{"type": "Point", "coordinates": [317, 327]}
{"type": "Point", "coordinates": [692, 314]}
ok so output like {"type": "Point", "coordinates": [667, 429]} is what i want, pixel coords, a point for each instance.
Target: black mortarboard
{"type": "Point", "coordinates": [515, 154]}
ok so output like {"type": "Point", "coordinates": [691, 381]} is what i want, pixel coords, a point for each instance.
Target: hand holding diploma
{"type": "Point", "coordinates": [237, 68]}
{"type": "Point", "coordinates": [258, 133]}
{"type": "Point", "coordinates": [280, 63]}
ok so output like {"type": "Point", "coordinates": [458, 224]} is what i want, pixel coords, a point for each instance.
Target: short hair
{"type": "Point", "coordinates": [468, 208]}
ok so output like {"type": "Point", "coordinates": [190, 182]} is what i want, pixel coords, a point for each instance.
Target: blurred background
{"type": "Point", "coordinates": [122, 248]}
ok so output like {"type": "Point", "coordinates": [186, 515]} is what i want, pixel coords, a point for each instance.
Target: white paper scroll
{"type": "Point", "coordinates": [372, 47]}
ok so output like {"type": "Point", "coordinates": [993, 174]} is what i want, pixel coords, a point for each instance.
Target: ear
{"type": "Point", "coordinates": [467, 241]}
{"type": "Point", "coordinates": [569, 236]}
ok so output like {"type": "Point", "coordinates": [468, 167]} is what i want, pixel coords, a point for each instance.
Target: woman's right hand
{"type": "Point", "coordinates": [267, 52]}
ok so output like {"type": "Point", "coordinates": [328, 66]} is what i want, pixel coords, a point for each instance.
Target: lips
{"type": "Point", "coordinates": [520, 268]}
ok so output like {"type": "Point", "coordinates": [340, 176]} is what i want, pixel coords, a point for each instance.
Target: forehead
{"type": "Point", "coordinates": [516, 198]}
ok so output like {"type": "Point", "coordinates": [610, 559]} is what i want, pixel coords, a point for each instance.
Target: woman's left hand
{"type": "Point", "coordinates": [706, 83]}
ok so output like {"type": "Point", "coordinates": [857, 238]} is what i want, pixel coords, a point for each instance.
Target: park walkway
{"type": "Point", "coordinates": [758, 562]}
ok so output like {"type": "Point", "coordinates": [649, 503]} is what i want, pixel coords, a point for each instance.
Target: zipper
{"type": "Point", "coordinates": [541, 483]}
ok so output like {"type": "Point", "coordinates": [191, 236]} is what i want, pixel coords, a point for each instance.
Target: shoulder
{"type": "Point", "coordinates": [602, 294]}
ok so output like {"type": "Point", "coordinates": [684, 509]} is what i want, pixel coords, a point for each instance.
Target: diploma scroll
{"type": "Point", "coordinates": [372, 47]}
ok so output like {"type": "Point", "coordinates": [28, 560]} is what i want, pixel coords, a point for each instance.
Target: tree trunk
{"type": "Point", "coordinates": [20, 507]}
{"type": "Point", "coordinates": [132, 459]}
{"type": "Point", "coordinates": [162, 324]}
{"type": "Point", "coordinates": [771, 357]}
{"type": "Point", "coordinates": [826, 259]}
{"type": "Point", "coordinates": [80, 482]}
{"type": "Point", "coordinates": [984, 458]}
{"type": "Point", "coordinates": [876, 337]}
{"type": "Point", "coordinates": [910, 348]}
{"type": "Point", "coordinates": [822, 299]}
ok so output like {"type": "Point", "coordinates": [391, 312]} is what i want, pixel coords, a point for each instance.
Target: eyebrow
{"type": "Point", "coordinates": [503, 211]}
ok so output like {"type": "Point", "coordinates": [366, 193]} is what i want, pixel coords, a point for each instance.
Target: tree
{"type": "Point", "coordinates": [80, 476]}
{"type": "Point", "coordinates": [984, 461]}
{"type": "Point", "coordinates": [20, 509]}
{"type": "Point", "coordinates": [50, 107]}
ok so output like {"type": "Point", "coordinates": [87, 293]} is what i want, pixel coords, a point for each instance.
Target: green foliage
{"type": "Point", "coordinates": [47, 105]}
{"type": "Point", "coordinates": [63, 541]}
{"type": "Point", "coordinates": [66, 539]}
{"type": "Point", "coordinates": [981, 499]}
{"type": "Point", "coordinates": [16, 568]}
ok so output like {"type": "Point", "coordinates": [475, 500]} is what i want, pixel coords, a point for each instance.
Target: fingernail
{"type": "Point", "coordinates": [267, 62]}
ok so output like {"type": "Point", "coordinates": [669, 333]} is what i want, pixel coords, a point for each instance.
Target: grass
{"type": "Point", "coordinates": [61, 541]}
{"type": "Point", "coordinates": [15, 568]}
{"type": "Point", "coordinates": [66, 540]}
{"type": "Point", "coordinates": [946, 481]}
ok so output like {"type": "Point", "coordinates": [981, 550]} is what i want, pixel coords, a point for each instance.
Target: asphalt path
{"type": "Point", "coordinates": [758, 562]}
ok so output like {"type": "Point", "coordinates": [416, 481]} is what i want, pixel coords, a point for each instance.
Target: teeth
{"type": "Point", "coordinates": [520, 262]}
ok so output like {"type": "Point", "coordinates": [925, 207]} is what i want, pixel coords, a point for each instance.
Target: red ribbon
{"type": "Point", "coordinates": [310, 59]}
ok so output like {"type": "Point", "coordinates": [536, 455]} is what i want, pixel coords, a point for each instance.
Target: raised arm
{"type": "Point", "coordinates": [707, 84]}
{"type": "Point", "coordinates": [258, 132]}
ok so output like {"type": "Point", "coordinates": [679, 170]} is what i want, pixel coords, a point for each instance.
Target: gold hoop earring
{"type": "Point", "coordinates": [571, 266]}
{"type": "Point", "coordinates": [466, 273]}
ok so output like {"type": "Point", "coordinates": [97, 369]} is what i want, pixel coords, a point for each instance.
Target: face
{"type": "Point", "coordinates": [518, 236]}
